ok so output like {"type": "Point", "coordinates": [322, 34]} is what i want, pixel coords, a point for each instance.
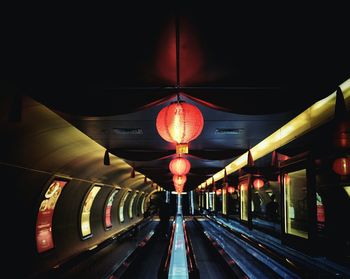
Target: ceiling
{"type": "Point", "coordinates": [246, 70]}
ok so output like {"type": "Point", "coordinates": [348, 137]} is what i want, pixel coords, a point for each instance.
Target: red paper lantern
{"type": "Point", "coordinates": [179, 166]}
{"type": "Point", "coordinates": [341, 166]}
{"type": "Point", "coordinates": [258, 183]}
{"type": "Point", "coordinates": [218, 192]}
{"type": "Point", "coordinates": [179, 188]}
{"type": "Point", "coordinates": [179, 179]}
{"type": "Point", "coordinates": [230, 189]}
{"type": "Point", "coordinates": [179, 122]}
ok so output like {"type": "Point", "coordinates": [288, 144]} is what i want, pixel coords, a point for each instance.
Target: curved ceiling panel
{"type": "Point", "coordinates": [43, 141]}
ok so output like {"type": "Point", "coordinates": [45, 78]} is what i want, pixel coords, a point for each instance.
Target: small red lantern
{"type": "Point", "coordinates": [258, 183]}
{"type": "Point", "coordinates": [230, 189]}
{"type": "Point", "coordinates": [218, 192]}
{"type": "Point", "coordinates": [341, 166]}
{"type": "Point", "coordinates": [179, 122]}
{"type": "Point", "coordinates": [179, 166]}
{"type": "Point", "coordinates": [179, 188]}
{"type": "Point", "coordinates": [179, 179]}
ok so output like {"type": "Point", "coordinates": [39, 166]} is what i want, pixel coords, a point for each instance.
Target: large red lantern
{"type": "Point", "coordinates": [341, 166]}
{"type": "Point", "coordinates": [179, 166]}
{"type": "Point", "coordinates": [258, 183]}
{"type": "Point", "coordinates": [179, 179]}
{"type": "Point", "coordinates": [179, 122]}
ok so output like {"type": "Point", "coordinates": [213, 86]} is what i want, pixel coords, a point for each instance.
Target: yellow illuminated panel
{"type": "Point", "coordinates": [143, 204]}
{"type": "Point", "coordinates": [224, 200]}
{"type": "Point", "coordinates": [295, 204]}
{"type": "Point", "coordinates": [85, 215]}
{"type": "Point", "coordinates": [131, 204]}
{"type": "Point", "coordinates": [244, 200]}
{"type": "Point", "coordinates": [347, 190]}
{"type": "Point", "coordinates": [206, 200]}
{"type": "Point", "coordinates": [121, 207]}
{"type": "Point", "coordinates": [319, 113]}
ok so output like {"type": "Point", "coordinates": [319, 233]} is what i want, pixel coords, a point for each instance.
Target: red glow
{"type": "Point", "coordinates": [320, 214]}
{"type": "Point", "coordinates": [166, 60]}
{"type": "Point", "coordinates": [179, 166]}
{"type": "Point", "coordinates": [191, 58]}
{"type": "Point", "coordinates": [179, 122]}
{"type": "Point", "coordinates": [230, 189]}
{"type": "Point", "coordinates": [258, 183]}
{"type": "Point", "coordinates": [341, 166]}
{"type": "Point", "coordinates": [218, 192]}
{"type": "Point", "coordinates": [179, 179]}
{"type": "Point", "coordinates": [179, 188]}
{"type": "Point", "coordinates": [286, 179]}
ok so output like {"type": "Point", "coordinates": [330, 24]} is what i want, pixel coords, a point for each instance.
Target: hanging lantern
{"type": "Point", "coordinates": [218, 192]}
{"type": "Point", "coordinates": [180, 123]}
{"type": "Point", "coordinates": [179, 166]}
{"type": "Point", "coordinates": [341, 166]}
{"type": "Point", "coordinates": [179, 188]}
{"type": "Point", "coordinates": [258, 183]}
{"type": "Point", "coordinates": [179, 179]}
{"type": "Point", "coordinates": [230, 189]}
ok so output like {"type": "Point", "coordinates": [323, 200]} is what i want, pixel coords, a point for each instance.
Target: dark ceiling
{"type": "Point", "coordinates": [249, 70]}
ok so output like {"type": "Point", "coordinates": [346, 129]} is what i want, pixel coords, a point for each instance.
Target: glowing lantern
{"type": "Point", "coordinates": [179, 166]}
{"type": "Point", "coordinates": [179, 188]}
{"type": "Point", "coordinates": [179, 179]}
{"type": "Point", "coordinates": [218, 192]}
{"type": "Point", "coordinates": [179, 123]}
{"type": "Point", "coordinates": [230, 189]}
{"type": "Point", "coordinates": [341, 166]}
{"type": "Point", "coordinates": [258, 183]}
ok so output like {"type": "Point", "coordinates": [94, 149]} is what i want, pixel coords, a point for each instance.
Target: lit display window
{"type": "Point", "coordinates": [143, 204]}
{"type": "Point", "coordinates": [108, 209]}
{"type": "Point", "coordinates": [121, 207]}
{"type": "Point", "coordinates": [44, 239]}
{"type": "Point", "coordinates": [85, 214]}
{"type": "Point", "coordinates": [243, 186]}
{"type": "Point", "coordinates": [131, 205]}
{"type": "Point", "coordinates": [295, 204]}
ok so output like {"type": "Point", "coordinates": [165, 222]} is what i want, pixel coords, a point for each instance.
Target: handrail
{"type": "Point", "coordinates": [130, 259]}
{"type": "Point", "coordinates": [164, 266]}
{"type": "Point", "coordinates": [79, 257]}
{"type": "Point", "coordinates": [193, 271]}
{"type": "Point", "coordinates": [284, 261]}
{"type": "Point", "coordinates": [231, 264]}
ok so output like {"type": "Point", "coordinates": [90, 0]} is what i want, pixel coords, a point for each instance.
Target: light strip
{"type": "Point", "coordinates": [313, 117]}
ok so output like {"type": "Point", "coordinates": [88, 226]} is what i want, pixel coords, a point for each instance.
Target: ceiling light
{"type": "Point", "coordinates": [229, 131]}
{"type": "Point", "coordinates": [128, 131]}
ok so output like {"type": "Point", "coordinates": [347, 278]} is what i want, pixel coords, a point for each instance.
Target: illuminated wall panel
{"type": "Point", "coordinates": [295, 204]}
{"type": "Point", "coordinates": [121, 207]}
{"type": "Point", "coordinates": [85, 213]}
{"type": "Point", "coordinates": [108, 208]}
{"type": "Point", "coordinates": [44, 239]}
{"type": "Point", "coordinates": [131, 205]}
{"type": "Point", "coordinates": [143, 204]}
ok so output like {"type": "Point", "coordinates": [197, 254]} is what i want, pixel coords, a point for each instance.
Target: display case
{"type": "Point", "coordinates": [48, 201]}
{"type": "Point", "coordinates": [298, 195]}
